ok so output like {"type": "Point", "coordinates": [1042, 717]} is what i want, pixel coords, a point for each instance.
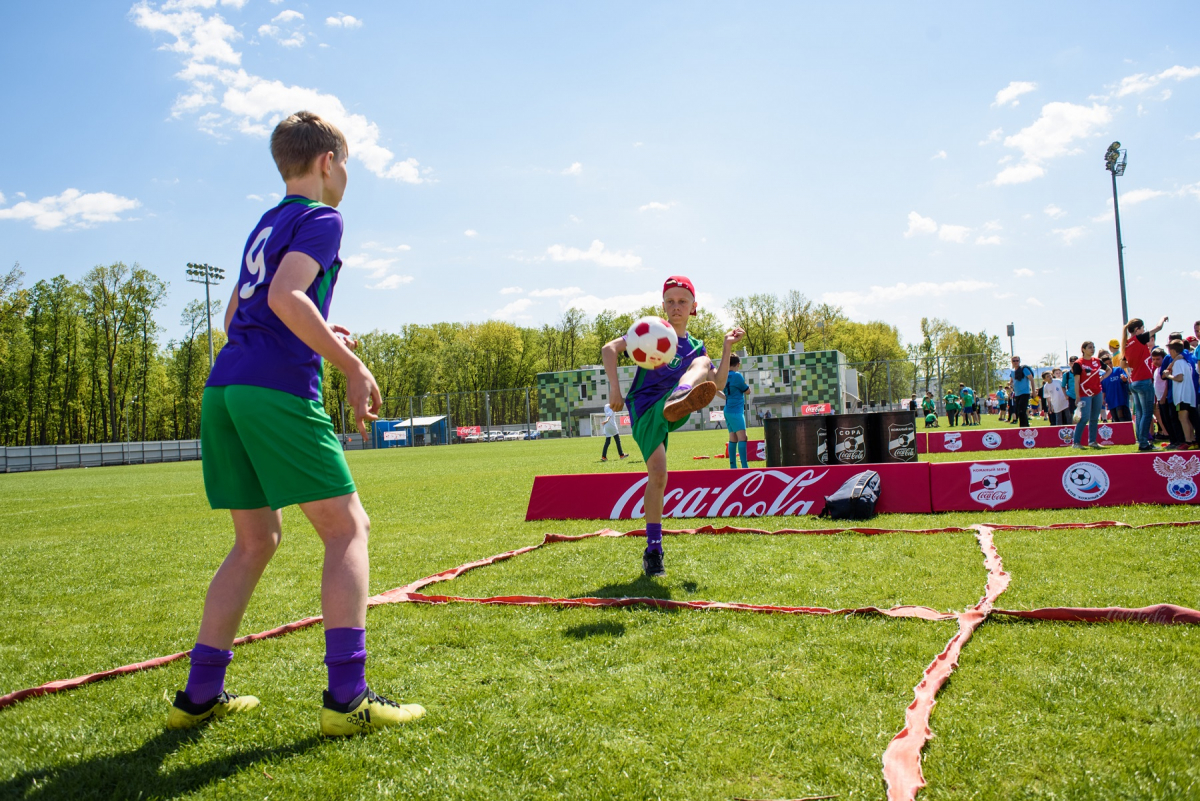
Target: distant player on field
{"type": "Point", "coordinates": [736, 391]}
{"type": "Point", "coordinates": [267, 442]}
{"type": "Point", "coordinates": [661, 400]}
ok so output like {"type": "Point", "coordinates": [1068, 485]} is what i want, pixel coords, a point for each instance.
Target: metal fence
{"type": "Point", "coordinates": [22, 459]}
{"type": "Point", "coordinates": [884, 383]}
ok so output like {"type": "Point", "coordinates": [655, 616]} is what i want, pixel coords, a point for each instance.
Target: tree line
{"type": "Point", "coordinates": [86, 361]}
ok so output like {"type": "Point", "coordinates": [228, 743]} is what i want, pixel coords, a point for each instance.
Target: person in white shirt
{"type": "Point", "coordinates": [612, 430]}
{"type": "Point", "coordinates": [1183, 394]}
{"type": "Point", "coordinates": [1056, 399]}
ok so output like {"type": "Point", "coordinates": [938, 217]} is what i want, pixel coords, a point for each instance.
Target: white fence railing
{"type": "Point", "coordinates": [53, 457]}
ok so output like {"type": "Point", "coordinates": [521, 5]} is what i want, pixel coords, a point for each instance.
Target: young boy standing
{"type": "Point", "coordinates": [661, 400]}
{"type": "Point", "coordinates": [268, 443]}
{"type": "Point", "coordinates": [736, 390]}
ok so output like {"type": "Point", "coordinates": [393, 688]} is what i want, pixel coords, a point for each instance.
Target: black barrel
{"type": "Point", "coordinates": [893, 436]}
{"type": "Point", "coordinates": [771, 437]}
{"type": "Point", "coordinates": [849, 435]}
{"type": "Point", "coordinates": [801, 442]}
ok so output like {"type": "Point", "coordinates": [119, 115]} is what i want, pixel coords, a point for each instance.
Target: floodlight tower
{"type": "Point", "coordinates": [207, 275]}
{"type": "Point", "coordinates": [1114, 162]}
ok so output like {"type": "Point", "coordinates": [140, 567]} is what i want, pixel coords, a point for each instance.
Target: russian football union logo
{"type": "Point", "coordinates": [1066, 434]}
{"type": "Point", "coordinates": [991, 440]}
{"type": "Point", "coordinates": [952, 440]}
{"type": "Point", "coordinates": [849, 445]}
{"type": "Point", "coordinates": [1179, 475]}
{"type": "Point", "coordinates": [1028, 437]}
{"type": "Point", "coordinates": [1085, 481]}
{"type": "Point", "coordinates": [1105, 433]}
{"type": "Point", "coordinates": [991, 484]}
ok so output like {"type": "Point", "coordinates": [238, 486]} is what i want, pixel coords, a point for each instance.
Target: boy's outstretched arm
{"type": "Point", "coordinates": [732, 337]}
{"type": "Point", "coordinates": [608, 356]}
{"type": "Point", "coordinates": [288, 299]}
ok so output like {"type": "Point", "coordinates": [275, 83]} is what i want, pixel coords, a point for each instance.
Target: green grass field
{"type": "Point", "coordinates": [108, 566]}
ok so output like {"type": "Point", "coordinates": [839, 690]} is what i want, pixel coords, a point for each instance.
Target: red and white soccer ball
{"type": "Point", "coordinates": [651, 342]}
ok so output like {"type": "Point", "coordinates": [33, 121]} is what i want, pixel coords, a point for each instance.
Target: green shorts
{"type": "Point", "coordinates": [651, 428]}
{"type": "Point", "coordinates": [262, 447]}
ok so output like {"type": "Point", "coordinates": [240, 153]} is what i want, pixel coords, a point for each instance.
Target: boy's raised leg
{"type": "Point", "coordinates": [695, 391]}
{"type": "Point", "coordinates": [257, 533]}
{"type": "Point", "coordinates": [349, 706]}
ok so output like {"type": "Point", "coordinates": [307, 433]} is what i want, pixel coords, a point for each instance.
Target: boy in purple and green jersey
{"type": "Point", "coordinates": [266, 441]}
{"type": "Point", "coordinates": [661, 400]}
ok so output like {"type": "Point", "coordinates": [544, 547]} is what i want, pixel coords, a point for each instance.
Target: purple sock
{"type": "Point", "coordinates": [654, 537]}
{"type": "Point", "coordinates": [206, 679]}
{"type": "Point", "coordinates": [346, 658]}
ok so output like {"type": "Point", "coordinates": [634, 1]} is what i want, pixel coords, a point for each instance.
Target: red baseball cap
{"type": "Point", "coordinates": [680, 282]}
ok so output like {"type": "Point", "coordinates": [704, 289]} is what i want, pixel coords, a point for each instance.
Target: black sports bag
{"type": "Point", "coordinates": [855, 500]}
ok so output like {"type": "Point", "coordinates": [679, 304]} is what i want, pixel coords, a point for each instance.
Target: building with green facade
{"type": "Point", "coordinates": [779, 382]}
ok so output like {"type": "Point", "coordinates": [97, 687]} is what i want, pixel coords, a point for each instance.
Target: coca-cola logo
{"type": "Point", "coordinates": [902, 441]}
{"type": "Point", "coordinates": [952, 441]}
{"type": "Point", "coordinates": [991, 484]}
{"type": "Point", "coordinates": [754, 493]}
{"type": "Point", "coordinates": [816, 408]}
{"type": "Point", "coordinates": [850, 445]}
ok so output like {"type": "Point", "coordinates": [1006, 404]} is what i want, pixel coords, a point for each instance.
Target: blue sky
{"type": "Point", "coordinates": [509, 160]}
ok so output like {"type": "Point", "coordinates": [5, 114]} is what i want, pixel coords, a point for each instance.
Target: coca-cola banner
{"type": "Point", "coordinates": [1000, 439]}
{"type": "Point", "coordinates": [782, 491]}
{"type": "Point", "coordinates": [466, 431]}
{"type": "Point", "coordinates": [816, 408]}
{"type": "Point", "coordinates": [1064, 482]}
{"type": "Point", "coordinates": [756, 450]}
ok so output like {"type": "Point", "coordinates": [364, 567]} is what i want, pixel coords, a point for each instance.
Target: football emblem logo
{"type": "Point", "coordinates": [1066, 434]}
{"type": "Point", "coordinates": [1179, 475]}
{"type": "Point", "coordinates": [1028, 437]}
{"type": "Point", "coordinates": [952, 441]}
{"type": "Point", "coordinates": [991, 484]}
{"type": "Point", "coordinates": [991, 440]}
{"type": "Point", "coordinates": [849, 445]}
{"type": "Point", "coordinates": [902, 442]}
{"type": "Point", "coordinates": [1085, 481]}
{"type": "Point", "coordinates": [1105, 433]}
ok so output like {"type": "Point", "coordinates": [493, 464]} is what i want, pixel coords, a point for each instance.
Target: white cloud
{"type": "Point", "coordinates": [1009, 94]}
{"type": "Point", "coordinates": [251, 104]}
{"type": "Point", "coordinates": [941, 154]}
{"type": "Point", "coordinates": [637, 144]}
{"type": "Point", "coordinates": [993, 225]}
{"type": "Point", "coordinates": [595, 253]}
{"type": "Point", "coordinates": [1023, 272]}
{"type": "Point", "coordinates": [1050, 136]}
{"type": "Point", "coordinates": [513, 310]}
{"type": "Point", "coordinates": [511, 290]}
{"type": "Point", "coordinates": [993, 136]}
{"type": "Point", "coordinates": [1136, 84]}
{"type": "Point", "coordinates": [1054, 212]}
{"type": "Point", "coordinates": [254, 197]}
{"type": "Point", "coordinates": [621, 304]}
{"type": "Point", "coordinates": [565, 292]}
{"type": "Point", "coordinates": [392, 282]}
{"type": "Point", "coordinates": [378, 267]}
{"type": "Point", "coordinates": [1141, 195]}
{"type": "Point", "coordinates": [574, 169]}
{"type": "Point", "coordinates": [471, 232]}
{"type": "Point", "coordinates": [72, 207]}
{"type": "Point", "coordinates": [919, 225]}
{"type": "Point", "coordinates": [1195, 136]}
{"type": "Point", "coordinates": [655, 205]}
{"type": "Point", "coordinates": [888, 296]}
{"type": "Point", "coordinates": [1034, 302]}
{"type": "Point", "coordinates": [287, 15]}
{"type": "Point", "coordinates": [343, 21]}
{"type": "Point", "coordinates": [954, 233]}
{"type": "Point", "coordinates": [574, 219]}
{"type": "Point", "coordinates": [988, 240]}
{"type": "Point", "coordinates": [2, 200]}
{"type": "Point", "coordinates": [1069, 235]}
{"type": "Point", "coordinates": [386, 248]}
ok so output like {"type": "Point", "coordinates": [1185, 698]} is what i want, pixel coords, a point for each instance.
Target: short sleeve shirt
{"type": "Point", "coordinates": [1115, 392]}
{"type": "Point", "coordinates": [735, 393]}
{"type": "Point", "coordinates": [1137, 355]}
{"type": "Point", "coordinates": [1088, 371]}
{"type": "Point", "coordinates": [968, 396]}
{"type": "Point", "coordinates": [1020, 379]}
{"type": "Point", "coordinates": [261, 350]}
{"type": "Point", "coordinates": [651, 386]}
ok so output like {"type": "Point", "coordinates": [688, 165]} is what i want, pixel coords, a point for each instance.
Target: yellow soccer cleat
{"type": "Point", "coordinates": [365, 713]}
{"type": "Point", "coordinates": [185, 715]}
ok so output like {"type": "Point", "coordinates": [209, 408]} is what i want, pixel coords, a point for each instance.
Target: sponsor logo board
{"type": "Point", "coordinates": [816, 408]}
{"type": "Point", "coordinates": [902, 442]}
{"type": "Point", "coordinates": [850, 445]}
{"type": "Point", "coordinates": [1085, 481]}
{"type": "Point", "coordinates": [1180, 475]}
{"type": "Point", "coordinates": [991, 484]}
{"type": "Point", "coordinates": [991, 440]}
{"type": "Point", "coordinates": [952, 440]}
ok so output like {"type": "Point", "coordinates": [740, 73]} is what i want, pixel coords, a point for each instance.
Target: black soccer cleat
{"type": "Point", "coordinates": [652, 563]}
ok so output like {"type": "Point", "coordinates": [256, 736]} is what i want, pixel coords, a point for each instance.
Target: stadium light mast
{"type": "Point", "coordinates": [1114, 162]}
{"type": "Point", "coordinates": [207, 275]}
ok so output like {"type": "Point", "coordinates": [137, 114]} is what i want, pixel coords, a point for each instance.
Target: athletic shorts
{"type": "Point", "coordinates": [263, 447]}
{"type": "Point", "coordinates": [968, 410]}
{"type": "Point", "coordinates": [1184, 406]}
{"type": "Point", "coordinates": [735, 421]}
{"type": "Point", "coordinates": [651, 429]}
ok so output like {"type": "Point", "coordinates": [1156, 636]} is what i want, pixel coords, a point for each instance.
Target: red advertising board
{"type": "Point", "coordinates": [1000, 439]}
{"type": "Point", "coordinates": [466, 431]}
{"type": "Point", "coordinates": [756, 450]}
{"type": "Point", "coordinates": [816, 408]}
{"type": "Point", "coordinates": [1065, 482]}
{"type": "Point", "coordinates": [783, 491]}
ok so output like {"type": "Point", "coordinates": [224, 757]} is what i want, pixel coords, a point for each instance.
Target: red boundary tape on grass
{"type": "Point", "coordinates": [902, 758]}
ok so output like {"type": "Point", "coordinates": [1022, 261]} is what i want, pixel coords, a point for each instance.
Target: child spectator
{"type": "Point", "coordinates": [1055, 398]}
{"type": "Point", "coordinates": [1068, 383]}
{"type": "Point", "coordinates": [1168, 417]}
{"type": "Point", "coordinates": [1136, 356]}
{"type": "Point", "coordinates": [1181, 373]}
{"type": "Point", "coordinates": [952, 407]}
{"type": "Point", "coordinates": [1116, 390]}
{"type": "Point", "coordinates": [1002, 404]}
{"type": "Point", "coordinates": [1088, 372]}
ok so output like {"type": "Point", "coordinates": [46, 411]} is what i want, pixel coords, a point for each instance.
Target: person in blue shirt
{"type": "Point", "coordinates": [1116, 390]}
{"type": "Point", "coordinates": [1020, 389]}
{"type": "Point", "coordinates": [736, 393]}
{"type": "Point", "coordinates": [1002, 404]}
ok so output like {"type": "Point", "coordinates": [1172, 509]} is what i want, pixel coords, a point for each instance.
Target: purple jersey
{"type": "Point", "coordinates": [262, 351]}
{"type": "Point", "coordinates": [651, 386]}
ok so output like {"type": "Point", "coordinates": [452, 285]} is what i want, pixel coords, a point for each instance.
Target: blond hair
{"type": "Point", "coordinates": [302, 137]}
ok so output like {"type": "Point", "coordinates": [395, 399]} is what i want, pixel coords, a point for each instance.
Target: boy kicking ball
{"type": "Point", "coordinates": [660, 401]}
{"type": "Point", "coordinates": [267, 442]}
